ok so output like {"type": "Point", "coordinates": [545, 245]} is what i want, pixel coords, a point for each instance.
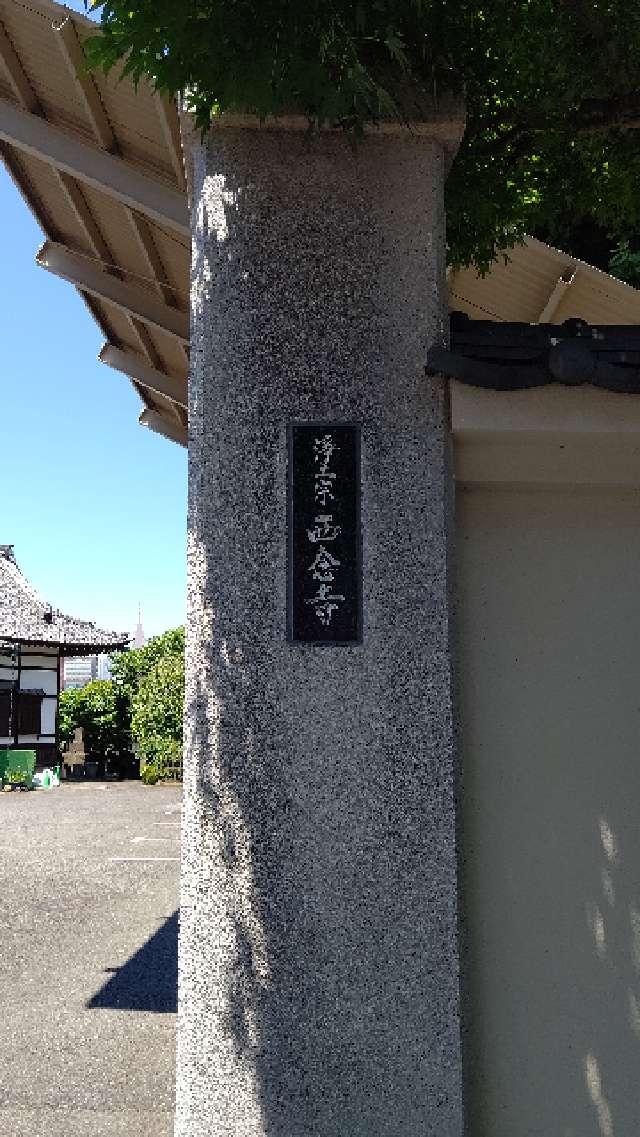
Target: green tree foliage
{"type": "Point", "coordinates": [96, 708]}
{"type": "Point", "coordinates": [140, 704]}
{"type": "Point", "coordinates": [156, 722]}
{"type": "Point", "coordinates": [129, 668]}
{"type": "Point", "coordinates": [151, 682]}
{"type": "Point", "coordinates": [552, 90]}
{"type": "Point", "coordinates": [625, 264]}
{"type": "Point", "coordinates": [68, 714]}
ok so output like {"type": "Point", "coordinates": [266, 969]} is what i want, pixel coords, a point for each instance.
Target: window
{"type": "Point", "coordinates": [29, 712]}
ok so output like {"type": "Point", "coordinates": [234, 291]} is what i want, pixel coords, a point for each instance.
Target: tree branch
{"type": "Point", "coordinates": [622, 111]}
{"type": "Point", "coordinates": [598, 114]}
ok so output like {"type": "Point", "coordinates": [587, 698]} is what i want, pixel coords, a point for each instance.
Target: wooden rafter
{"type": "Point", "coordinates": [171, 129]}
{"type": "Point", "coordinates": [159, 425]}
{"type": "Point", "coordinates": [150, 253]}
{"type": "Point", "coordinates": [144, 339]}
{"type": "Point", "coordinates": [16, 74]}
{"type": "Point", "coordinates": [83, 272]}
{"type": "Point", "coordinates": [74, 163]}
{"type": "Point", "coordinates": [105, 172]}
{"type": "Point", "coordinates": [85, 218]}
{"type": "Point", "coordinates": [172, 387]}
{"type": "Point", "coordinates": [558, 292]}
{"type": "Point", "coordinates": [26, 191]}
{"type": "Point", "coordinates": [156, 268]}
{"type": "Point", "coordinates": [74, 57]}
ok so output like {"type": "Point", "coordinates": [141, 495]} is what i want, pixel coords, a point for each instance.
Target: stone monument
{"type": "Point", "coordinates": [319, 959]}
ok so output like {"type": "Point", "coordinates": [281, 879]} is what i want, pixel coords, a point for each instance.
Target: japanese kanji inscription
{"type": "Point", "coordinates": [324, 554]}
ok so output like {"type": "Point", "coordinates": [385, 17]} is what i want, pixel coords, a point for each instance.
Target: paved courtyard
{"type": "Point", "coordinates": [88, 931]}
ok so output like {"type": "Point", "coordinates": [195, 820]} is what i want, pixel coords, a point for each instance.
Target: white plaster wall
{"type": "Point", "coordinates": [48, 660]}
{"type": "Point", "coordinates": [48, 720]}
{"type": "Point", "coordinates": [549, 635]}
{"type": "Point", "coordinates": [38, 679]}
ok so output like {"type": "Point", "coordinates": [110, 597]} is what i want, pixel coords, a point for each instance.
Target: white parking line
{"type": "Point", "coordinates": [138, 840]}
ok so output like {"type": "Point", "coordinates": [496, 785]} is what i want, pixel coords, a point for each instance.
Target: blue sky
{"type": "Point", "coordinates": [94, 504]}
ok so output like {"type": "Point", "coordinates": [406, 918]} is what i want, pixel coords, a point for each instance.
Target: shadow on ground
{"type": "Point", "coordinates": [148, 981]}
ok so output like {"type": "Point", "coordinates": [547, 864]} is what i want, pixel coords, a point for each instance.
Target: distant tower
{"type": "Point", "coordinates": [139, 638]}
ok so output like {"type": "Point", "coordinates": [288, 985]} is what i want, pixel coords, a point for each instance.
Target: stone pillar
{"type": "Point", "coordinates": [318, 958]}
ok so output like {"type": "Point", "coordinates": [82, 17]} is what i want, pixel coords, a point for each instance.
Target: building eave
{"type": "Point", "coordinates": [69, 649]}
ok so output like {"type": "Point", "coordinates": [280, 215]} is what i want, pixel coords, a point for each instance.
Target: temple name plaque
{"type": "Point", "coordinates": [324, 602]}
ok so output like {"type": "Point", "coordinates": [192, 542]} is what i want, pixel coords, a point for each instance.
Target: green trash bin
{"type": "Point", "coordinates": [17, 767]}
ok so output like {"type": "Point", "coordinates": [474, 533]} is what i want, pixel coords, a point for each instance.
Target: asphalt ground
{"type": "Point", "coordinates": [88, 972]}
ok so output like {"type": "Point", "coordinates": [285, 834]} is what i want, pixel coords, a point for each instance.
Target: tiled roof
{"type": "Point", "coordinates": [26, 618]}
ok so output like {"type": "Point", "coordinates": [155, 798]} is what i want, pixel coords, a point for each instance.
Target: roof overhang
{"type": "Point", "coordinates": [66, 650]}
{"type": "Point", "coordinates": [100, 164]}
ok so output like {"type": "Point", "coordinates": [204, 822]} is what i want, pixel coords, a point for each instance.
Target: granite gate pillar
{"type": "Point", "coordinates": [318, 957]}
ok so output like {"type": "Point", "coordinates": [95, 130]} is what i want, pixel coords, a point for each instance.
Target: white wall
{"type": "Point", "coordinates": [38, 672]}
{"type": "Point", "coordinates": [40, 660]}
{"type": "Point", "coordinates": [549, 634]}
{"type": "Point", "coordinates": [33, 679]}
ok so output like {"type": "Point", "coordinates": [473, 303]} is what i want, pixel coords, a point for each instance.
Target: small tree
{"type": "Point", "coordinates": [129, 668]}
{"type": "Point", "coordinates": [104, 731]}
{"type": "Point", "coordinates": [68, 711]}
{"type": "Point", "coordinates": [142, 701]}
{"type": "Point", "coordinates": [97, 710]}
{"type": "Point", "coordinates": [156, 723]}
{"type": "Point", "coordinates": [150, 683]}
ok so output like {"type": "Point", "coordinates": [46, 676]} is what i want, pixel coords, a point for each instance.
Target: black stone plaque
{"type": "Point", "coordinates": [324, 555]}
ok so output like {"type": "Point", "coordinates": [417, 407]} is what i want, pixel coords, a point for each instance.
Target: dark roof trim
{"type": "Point", "coordinates": [512, 357]}
{"type": "Point", "coordinates": [66, 649]}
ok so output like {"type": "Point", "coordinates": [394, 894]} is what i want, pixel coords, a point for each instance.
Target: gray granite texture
{"type": "Point", "coordinates": [318, 957]}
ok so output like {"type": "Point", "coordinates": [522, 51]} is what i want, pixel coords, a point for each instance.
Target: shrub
{"type": "Point", "coordinates": [97, 708]}
{"type": "Point", "coordinates": [156, 721]}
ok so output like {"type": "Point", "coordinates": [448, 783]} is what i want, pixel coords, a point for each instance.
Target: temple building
{"type": "Point", "coordinates": [35, 638]}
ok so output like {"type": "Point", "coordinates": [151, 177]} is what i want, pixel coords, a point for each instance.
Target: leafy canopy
{"type": "Point", "coordinates": [552, 90]}
{"type": "Point", "coordinates": [141, 703]}
{"type": "Point", "coordinates": [130, 668]}
{"type": "Point", "coordinates": [156, 721]}
{"type": "Point", "coordinates": [151, 681]}
{"type": "Point", "coordinates": [97, 709]}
